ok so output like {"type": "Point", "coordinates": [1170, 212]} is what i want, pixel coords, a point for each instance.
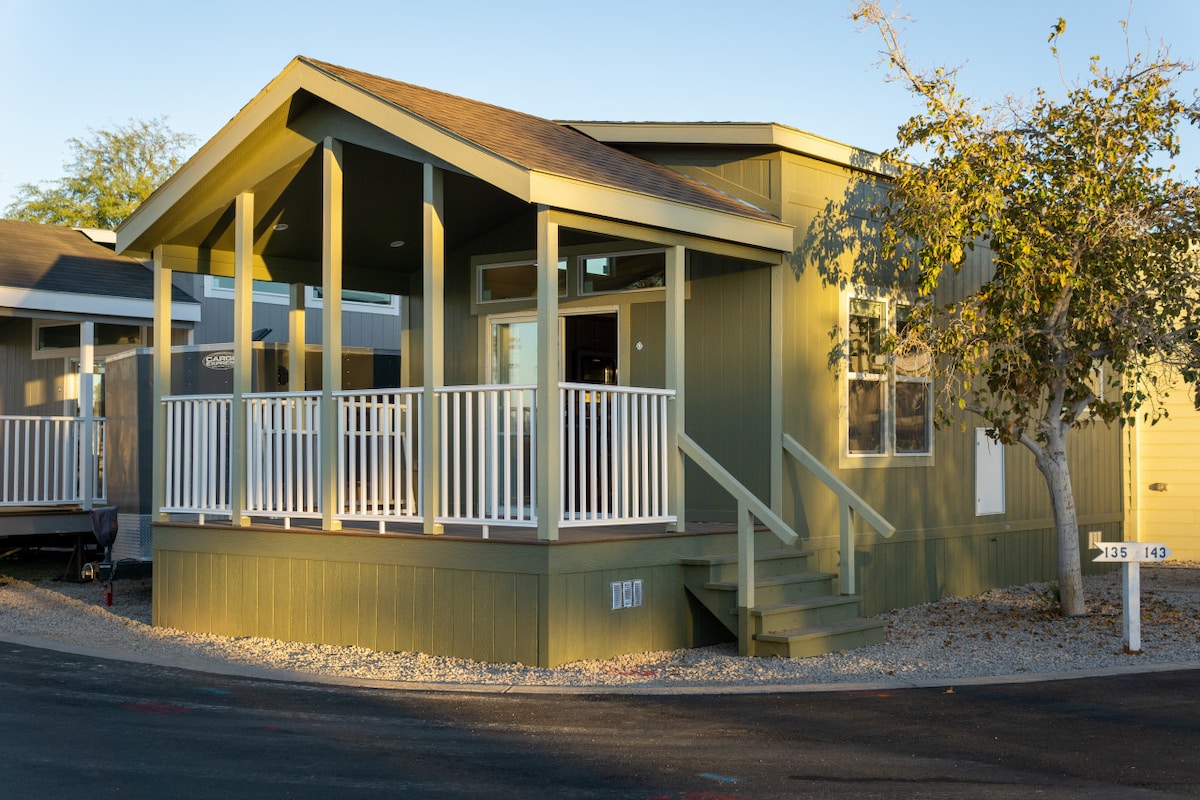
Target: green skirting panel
{"type": "Point", "coordinates": [540, 603]}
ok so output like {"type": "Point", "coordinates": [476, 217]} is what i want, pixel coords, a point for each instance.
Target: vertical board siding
{"type": "Point", "coordinates": [467, 606]}
{"type": "Point", "coordinates": [941, 547]}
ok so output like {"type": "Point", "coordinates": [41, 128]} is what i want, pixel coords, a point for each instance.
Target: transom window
{"type": "Point", "coordinates": [578, 276]}
{"type": "Point", "coordinates": [889, 398]}
{"type": "Point", "coordinates": [278, 293]}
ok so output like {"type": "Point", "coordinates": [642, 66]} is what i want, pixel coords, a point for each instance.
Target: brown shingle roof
{"type": "Point", "coordinates": [540, 144]}
{"type": "Point", "coordinates": [53, 258]}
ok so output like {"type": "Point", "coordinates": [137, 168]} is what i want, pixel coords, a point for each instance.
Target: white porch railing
{"type": "Point", "coordinates": [614, 459]}
{"type": "Point", "coordinates": [41, 460]}
{"type": "Point", "coordinates": [488, 474]}
{"type": "Point", "coordinates": [197, 457]}
{"type": "Point", "coordinates": [613, 455]}
{"type": "Point", "coordinates": [380, 475]}
{"type": "Point", "coordinates": [283, 454]}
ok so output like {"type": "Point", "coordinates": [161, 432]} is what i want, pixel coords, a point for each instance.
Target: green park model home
{"type": "Point", "coordinates": [617, 428]}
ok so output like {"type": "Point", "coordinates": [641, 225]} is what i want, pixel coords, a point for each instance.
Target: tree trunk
{"type": "Point", "coordinates": [1052, 462]}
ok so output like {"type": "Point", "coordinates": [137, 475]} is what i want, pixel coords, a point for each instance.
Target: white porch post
{"type": "Point", "coordinates": [243, 366]}
{"type": "Point", "coordinates": [433, 341]}
{"type": "Point", "coordinates": [297, 336]}
{"type": "Point", "coordinates": [331, 327]}
{"type": "Point", "coordinates": [161, 369]}
{"type": "Point", "coordinates": [87, 410]}
{"type": "Point", "coordinates": [776, 453]}
{"type": "Point", "coordinates": [675, 336]}
{"type": "Point", "coordinates": [548, 404]}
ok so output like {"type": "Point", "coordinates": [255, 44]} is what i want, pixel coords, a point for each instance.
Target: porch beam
{"type": "Point", "coordinates": [161, 371]}
{"type": "Point", "coordinates": [331, 325]}
{"type": "Point", "coordinates": [548, 404]}
{"type": "Point", "coordinates": [675, 358]}
{"type": "Point", "coordinates": [625, 230]}
{"type": "Point", "coordinates": [297, 336]}
{"type": "Point", "coordinates": [243, 366]}
{"type": "Point", "coordinates": [203, 261]}
{"type": "Point", "coordinates": [433, 339]}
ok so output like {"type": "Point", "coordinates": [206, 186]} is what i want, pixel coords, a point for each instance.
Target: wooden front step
{"type": "Point", "coordinates": [797, 613]}
{"type": "Point", "coordinates": [819, 640]}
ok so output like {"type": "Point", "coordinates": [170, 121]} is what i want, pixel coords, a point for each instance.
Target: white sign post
{"type": "Point", "coordinates": [1131, 555]}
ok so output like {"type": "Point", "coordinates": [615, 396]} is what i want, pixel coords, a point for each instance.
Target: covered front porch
{"type": "Point", "coordinates": [441, 502]}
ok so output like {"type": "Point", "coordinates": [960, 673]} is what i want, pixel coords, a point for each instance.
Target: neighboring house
{"type": "Point", "coordinates": [56, 283]}
{"type": "Point", "coordinates": [64, 293]}
{"type": "Point", "coordinates": [617, 354]}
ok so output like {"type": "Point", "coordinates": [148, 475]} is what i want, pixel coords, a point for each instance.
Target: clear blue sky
{"type": "Point", "coordinates": [71, 65]}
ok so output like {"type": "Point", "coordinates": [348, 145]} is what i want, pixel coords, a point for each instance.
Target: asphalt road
{"type": "Point", "coordinates": [74, 726]}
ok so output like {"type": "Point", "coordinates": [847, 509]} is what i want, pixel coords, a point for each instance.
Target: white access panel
{"type": "Point", "coordinates": [989, 475]}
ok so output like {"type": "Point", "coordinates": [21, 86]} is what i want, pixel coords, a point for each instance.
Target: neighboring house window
{"type": "Point", "coordinates": [58, 340]}
{"type": "Point", "coordinates": [889, 409]}
{"type": "Point", "coordinates": [278, 294]}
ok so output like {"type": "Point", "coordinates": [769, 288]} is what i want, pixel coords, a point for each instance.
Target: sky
{"type": "Point", "coordinates": [71, 66]}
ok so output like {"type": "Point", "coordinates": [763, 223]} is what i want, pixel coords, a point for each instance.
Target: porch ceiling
{"type": "Point", "coordinates": [382, 205]}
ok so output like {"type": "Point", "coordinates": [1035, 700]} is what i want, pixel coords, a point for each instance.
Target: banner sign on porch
{"type": "Point", "coordinates": [219, 360]}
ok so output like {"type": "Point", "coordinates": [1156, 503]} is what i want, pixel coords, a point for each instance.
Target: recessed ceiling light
{"type": "Point", "coordinates": [397, 243]}
{"type": "Point", "coordinates": [279, 226]}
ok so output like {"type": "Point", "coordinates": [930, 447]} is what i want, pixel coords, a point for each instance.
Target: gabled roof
{"type": "Point", "coordinates": [58, 269]}
{"type": "Point", "coordinates": [539, 144]}
{"type": "Point", "coordinates": [529, 159]}
{"type": "Point", "coordinates": [742, 134]}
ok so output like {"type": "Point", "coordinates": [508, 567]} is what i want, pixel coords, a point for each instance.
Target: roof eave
{"type": "Point", "coordinates": [589, 198]}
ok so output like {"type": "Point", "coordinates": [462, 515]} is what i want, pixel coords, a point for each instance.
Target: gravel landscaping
{"type": "Point", "coordinates": [1011, 633]}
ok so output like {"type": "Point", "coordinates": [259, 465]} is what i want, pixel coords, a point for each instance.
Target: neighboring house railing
{"type": "Point", "coordinates": [613, 455]}
{"type": "Point", "coordinates": [42, 460]}
{"type": "Point", "coordinates": [749, 509]}
{"type": "Point", "coordinates": [849, 503]}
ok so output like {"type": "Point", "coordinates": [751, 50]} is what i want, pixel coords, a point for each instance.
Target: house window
{"type": "Point", "coordinates": [889, 397]}
{"type": "Point", "coordinates": [56, 339]}
{"type": "Point", "coordinates": [274, 293]}
{"type": "Point", "coordinates": [515, 281]}
{"type": "Point", "coordinates": [622, 272]}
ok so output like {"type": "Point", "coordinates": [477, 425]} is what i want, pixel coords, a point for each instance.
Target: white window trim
{"type": "Point", "coordinates": [73, 352]}
{"type": "Point", "coordinates": [564, 266]}
{"type": "Point", "coordinates": [579, 261]}
{"type": "Point", "coordinates": [310, 299]}
{"type": "Point", "coordinates": [524, 316]}
{"type": "Point", "coordinates": [890, 457]}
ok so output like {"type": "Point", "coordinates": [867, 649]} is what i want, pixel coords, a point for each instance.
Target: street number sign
{"type": "Point", "coordinates": [1132, 552]}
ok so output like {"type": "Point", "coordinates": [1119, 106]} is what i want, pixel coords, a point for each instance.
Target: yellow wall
{"type": "Point", "coordinates": [1169, 453]}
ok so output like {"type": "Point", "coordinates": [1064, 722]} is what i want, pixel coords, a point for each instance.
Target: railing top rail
{"type": "Point", "coordinates": [732, 485]}
{"type": "Point", "coordinates": [837, 486]}
{"type": "Point", "coordinates": [32, 418]}
{"type": "Point", "coordinates": [278, 395]}
{"type": "Point", "coordinates": [378, 392]}
{"type": "Point", "coordinates": [175, 398]}
{"type": "Point", "coordinates": [487, 387]}
{"type": "Point", "coordinates": [600, 387]}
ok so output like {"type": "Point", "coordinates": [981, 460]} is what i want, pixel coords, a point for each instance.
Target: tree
{"type": "Point", "coordinates": [112, 171]}
{"type": "Point", "coordinates": [1092, 243]}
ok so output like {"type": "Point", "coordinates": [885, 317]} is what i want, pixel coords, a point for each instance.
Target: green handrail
{"type": "Point", "coordinates": [748, 506]}
{"type": "Point", "coordinates": [850, 503]}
